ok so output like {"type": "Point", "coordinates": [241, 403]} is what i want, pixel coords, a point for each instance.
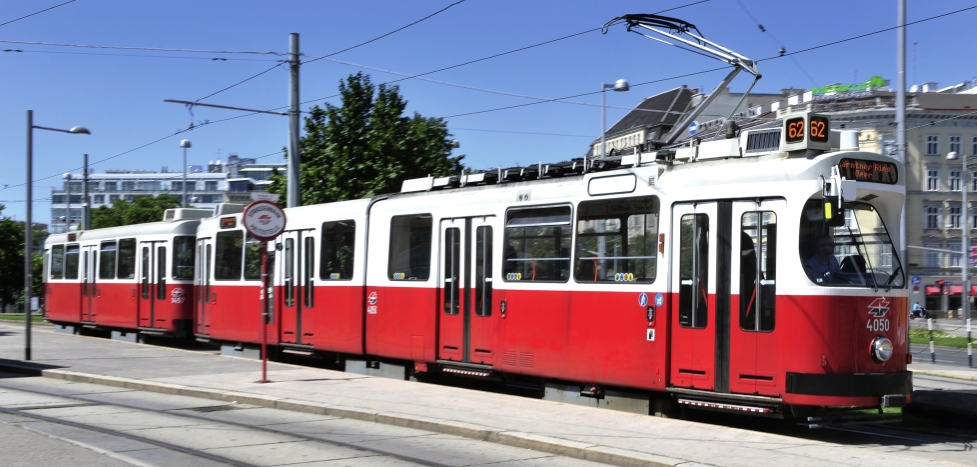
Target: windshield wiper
{"type": "Point", "coordinates": [868, 260]}
{"type": "Point", "coordinates": [888, 282]}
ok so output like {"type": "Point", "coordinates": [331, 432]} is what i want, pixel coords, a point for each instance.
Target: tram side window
{"type": "Point", "coordinates": [57, 262]}
{"type": "Point", "coordinates": [338, 242]}
{"type": "Point", "coordinates": [252, 258]}
{"type": "Point", "coordinates": [694, 271]}
{"type": "Point", "coordinates": [71, 261]}
{"type": "Point", "coordinates": [127, 258]}
{"type": "Point", "coordinates": [183, 252]}
{"type": "Point", "coordinates": [617, 240]}
{"type": "Point", "coordinates": [410, 248]}
{"type": "Point", "coordinates": [106, 260]}
{"type": "Point", "coordinates": [537, 244]}
{"type": "Point", "coordinates": [227, 258]}
{"type": "Point", "coordinates": [857, 254]}
{"type": "Point", "coordinates": [758, 271]}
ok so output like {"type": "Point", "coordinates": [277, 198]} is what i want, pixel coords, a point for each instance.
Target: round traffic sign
{"type": "Point", "coordinates": [693, 128]}
{"type": "Point", "coordinates": [264, 220]}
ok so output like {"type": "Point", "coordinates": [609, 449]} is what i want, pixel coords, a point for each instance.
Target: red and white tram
{"type": "Point", "coordinates": [131, 279]}
{"type": "Point", "coordinates": [757, 273]}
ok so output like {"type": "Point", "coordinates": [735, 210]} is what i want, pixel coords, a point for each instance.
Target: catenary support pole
{"type": "Point", "coordinates": [28, 279]}
{"type": "Point", "coordinates": [294, 189]}
{"type": "Point", "coordinates": [85, 201]}
{"type": "Point", "coordinates": [264, 313]}
{"type": "Point", "coordinates": [929, 325]}
{"type": "Point", "coordinates": [901, 123]}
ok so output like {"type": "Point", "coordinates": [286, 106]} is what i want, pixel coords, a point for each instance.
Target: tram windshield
{"type": "Point", "coordinates": [857, 254]}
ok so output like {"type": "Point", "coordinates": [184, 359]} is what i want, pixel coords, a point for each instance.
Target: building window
{"type": "Point", "coordinates": [932, 145]}
{"type": "Point", "coordinates": [57, 199]}
{"type": "Point", "coordinates": [933, 179]}
{"type": "Point", "coordinates": [933, 216]}
{"type": "Point", "coordinates": [128, 186]}
{"type": "Point", "coordinates": [953, 216]}
{"type": "Point", "coordinates": [99, 199]}
{"type": "Point", "coordinates": [953, 179]}
{"type": "Point", "coordinates": [973, 146]}
{"type": "Point", "coordinates": [128, 198]}
{"type": "Point", "coordinates": [113, 198]}
{"type": "Point", "coordinates": [956, 144]}
{"type": "Point", "coordinates": [111, 186]}
{"type": "Point", "coordinates": [932, 258]}
{"type": "Point", "coordinates": [973, 217]}
{"type": "Point", "coordinates": [953, 260]}
{"type": "Point", "coordinates": [210, 185]}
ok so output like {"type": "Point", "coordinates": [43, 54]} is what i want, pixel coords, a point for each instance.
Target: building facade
{"type": "Point", "coordinates": [220, 183]}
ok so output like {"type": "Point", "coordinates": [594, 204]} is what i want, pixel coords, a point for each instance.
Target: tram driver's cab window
{"type": "Point", "coordinates": [857, 254]}
{"type": "Point", "coordinates": [537, 244]}
{"type": "Point", "coordinates": [617, 241]}
{"type": "Point", "coordinates": [410, 248]}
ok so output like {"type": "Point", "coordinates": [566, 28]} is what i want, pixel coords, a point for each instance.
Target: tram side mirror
{"type": "Point", "coordinates": [833, 211]}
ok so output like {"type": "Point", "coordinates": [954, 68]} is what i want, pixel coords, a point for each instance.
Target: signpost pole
{"type": "Point", "coordinates": [264, 312]}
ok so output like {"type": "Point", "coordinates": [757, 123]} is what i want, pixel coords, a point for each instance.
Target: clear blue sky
{"type": "Point", "coordinates": [119, 94]}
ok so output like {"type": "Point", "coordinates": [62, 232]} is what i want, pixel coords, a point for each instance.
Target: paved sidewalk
{"type": "Point", "coordinates": [593, 434]}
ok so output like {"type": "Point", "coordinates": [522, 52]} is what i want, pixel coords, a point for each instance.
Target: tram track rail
{"type": "Point", "coordinates": [83, 402]}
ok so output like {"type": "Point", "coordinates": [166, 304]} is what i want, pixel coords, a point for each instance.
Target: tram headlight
{"type": "Point", "coordinates": [881, 349]}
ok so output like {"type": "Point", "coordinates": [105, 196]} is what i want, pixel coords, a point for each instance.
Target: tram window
{"type": "Point", "coordinates": [57, 262]}
{"type": "Point", "coordinates": [289, 272]}
{"type": "Point", "coordinates": [252, 258]}
{"type": "Point", "coordinates": [860, 254]}
{"type": "Point", "coordinates": [106, 260]}
{"type": "Point", "coordinates": [452, 270]}
{"type": "Point", "coordinates": [183, 258]}
{"type": "Point", "coordinates": [758, 271]}
{"type": "Point", "coordinates": [145, 272]}
{"type": "Point", "coordinates": [694, 271]}
{"type": "Point", "coordinates": [227, 258]}
{"type": "Point", "coordinates": [161, 273]}
{"type": "Point", "coordinates": [71, 261]}
{"type": "Point", "coordinates": [338, 250]}
{"type": "Point", "coordinates": [537, 244]}
{"type": "Point", "coordinates": [410, 248]}
{"type": "Point", "coordinates": [127, 258]}
{"type": "Point", "coordinates": [483, 271]}
{"type": "Point", "coordinates": [308, 273]}
{"type": "Point", "coordinates": [617, 240]}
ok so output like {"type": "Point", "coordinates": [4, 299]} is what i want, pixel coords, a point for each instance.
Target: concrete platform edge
{"type": "Point", "coordinates": [559, 446]}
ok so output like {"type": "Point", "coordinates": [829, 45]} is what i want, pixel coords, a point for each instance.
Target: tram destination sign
{"type": "Point", "coordinates": [264, 220]}
{"type": "Point", "coordinates": [868, 171]}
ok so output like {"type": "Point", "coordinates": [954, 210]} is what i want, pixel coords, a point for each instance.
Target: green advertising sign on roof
{"type": "Point", "coordinates": [872, 83]}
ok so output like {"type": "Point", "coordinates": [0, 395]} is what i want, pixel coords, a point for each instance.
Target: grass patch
{"type": "Point", "coordinates": [922, 336]}
{"type": "Point", "coordinates": [20, 318]}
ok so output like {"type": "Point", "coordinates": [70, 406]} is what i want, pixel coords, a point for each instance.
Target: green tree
{"type": "Point", "coordinates": [140, 210]}
{"type": "Point", "coordinates": [12, 259]}
{"type": "Point", "coordinates": [367, 147]}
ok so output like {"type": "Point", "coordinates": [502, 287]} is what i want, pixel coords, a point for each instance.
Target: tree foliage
{"type": "Point", "coordinates": [367, 147]}
{"type": "Point", "coordinates": [140, 210]}
{"type": "Point", "coordinates": [12, 259]}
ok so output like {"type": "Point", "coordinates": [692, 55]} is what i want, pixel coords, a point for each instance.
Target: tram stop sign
{"type": "Point", "coordinates": [264, 220]}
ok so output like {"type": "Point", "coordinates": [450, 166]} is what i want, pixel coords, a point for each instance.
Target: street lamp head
{"type": "Point", "coordinates": [621, 85]}
{"type": "Point", "coordinates": [79, 130]}
{"type": "Point", "coordinates": [952, 156]}
{"type": "Point", "coordinates": [66, 176]}
{"type": "Point", "coordinates": [185, 144]}
{"type": "Point", "coordinates": [455, 144]}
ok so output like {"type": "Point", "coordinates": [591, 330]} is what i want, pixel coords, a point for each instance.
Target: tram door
{"type": "Point", "coordinates": [202, 278]}
{"type": "Point", "coordinates": [89, 289]}
{"type": "Point", "coordinates": [298, 286]}
{"type": "Point", "coordinates": [467, 329]}
{"type": "Point", "coordinates": [152, 281]}
{"type": "Point", "coordinates": [753, 354]}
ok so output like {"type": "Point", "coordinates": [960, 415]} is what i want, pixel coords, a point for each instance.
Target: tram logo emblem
{"type": "Point", "coordinates": [879, 307]}
{"type": "Point", "coordinates": [372, 298]}
{"type": "Point", "coordinates": [264, 219]}
{"type": "Point", "coordinates": [177, 292]}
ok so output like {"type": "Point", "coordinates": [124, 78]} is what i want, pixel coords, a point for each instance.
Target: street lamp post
{"type": "Point", "coordinates": [620, 85]}
{"type": "Point", "coordinates": [965, 229]}
{"type": "Point", "coordinates": [185, 144]}
{"type": "Point", "coordinates": [28, 248]}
